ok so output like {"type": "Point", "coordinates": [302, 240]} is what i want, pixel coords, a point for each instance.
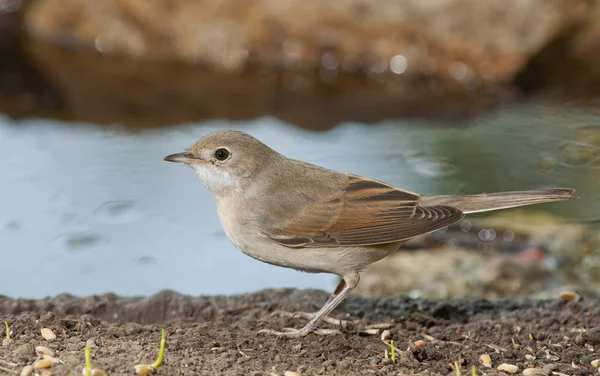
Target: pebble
{"type": "Point", "coordinates": [534, 372]}
{"type": "Point", "coordinates": [48, 334]}
{"type": "Point", "coordinates": [291, 373]}
{"type": "Point", "coordinates": [593, 336]}
{"type": "Point", "coordinates": [46, 373]}
{"type": "Point", "coordinates": [486, 360]}
{"type": "Point", "coordinates": [420, 343]}
{"type": "Point", "coordinates": [23, 352]}
{"type": "Point", "coordinates": [510, 368]}
{"type": "Point", "coordinates": [26, 371]}
{"type": "Point", "coordinates": [595, 363]}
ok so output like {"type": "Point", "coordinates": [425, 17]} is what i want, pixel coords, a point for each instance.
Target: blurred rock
{"type": "Point", "coordinates": [117, 90]}
{"type": "Point", "coordinates": [567, 65]}
{"type": "Point", "coordinates": [464, 40]}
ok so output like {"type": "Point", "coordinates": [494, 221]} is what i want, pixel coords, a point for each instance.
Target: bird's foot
{"type": "Point", "coordinates": [298, 333]}
{"type": "Point", "coordinates": [311, 315]}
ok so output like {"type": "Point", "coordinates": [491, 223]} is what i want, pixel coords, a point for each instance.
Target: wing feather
{"type": "Point", "coordinates": [369, 213]}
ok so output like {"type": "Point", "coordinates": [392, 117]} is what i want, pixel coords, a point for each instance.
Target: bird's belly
{"type": "Point", "coordinates": [336, 260]}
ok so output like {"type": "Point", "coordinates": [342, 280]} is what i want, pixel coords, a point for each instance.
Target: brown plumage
{"type": "Point", "coordinates": [297, 215]}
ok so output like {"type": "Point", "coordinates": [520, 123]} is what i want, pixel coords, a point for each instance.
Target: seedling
{"type": "Point", "coordinates": [145, 369]}
{"type": "Point", "coordinates": [161, 352]}
{"type": "Point", "coordinates": [7, 331]}
{"type": "Point", "coordinates": [457, 369]}
{"type": "Point", "coordinates": [393, 350]}
{"type": "Point", "coordinates": [88, 360]}
{"type": "Point", "coordinates": [473, 371]}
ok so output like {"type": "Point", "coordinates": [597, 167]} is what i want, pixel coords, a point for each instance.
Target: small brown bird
{"type": "Point", "coordinates": [297, 215]}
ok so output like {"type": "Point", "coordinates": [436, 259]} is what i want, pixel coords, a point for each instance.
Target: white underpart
{"type": "Point", "coordinates": [214, 178]}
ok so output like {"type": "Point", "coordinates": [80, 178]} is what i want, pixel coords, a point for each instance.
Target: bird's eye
{"type": "Point", "coordinates": [222, 154]}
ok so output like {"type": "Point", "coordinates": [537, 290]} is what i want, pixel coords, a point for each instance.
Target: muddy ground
{"type": "Point", "coordinates": [218, 335]}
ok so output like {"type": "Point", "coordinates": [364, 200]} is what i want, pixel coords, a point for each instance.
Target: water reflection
{"type": "Point", "coordinates": [100, 211]}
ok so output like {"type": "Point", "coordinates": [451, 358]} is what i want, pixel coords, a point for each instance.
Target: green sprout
{"type": "Point", "coordinates": [457, 368]}
{"type": "Point", "coordinates": [531, 337]}
{"type": "Point", "coordinates": [161, 353]}
{"type": "Point", "coordinates": [473, 371]}
{"type": "Point", "coordinates": [7, 331]}
{"type": "Point", "coordinates": [88, 360]}
{"type": "Point", "coordinates": [393, 350]}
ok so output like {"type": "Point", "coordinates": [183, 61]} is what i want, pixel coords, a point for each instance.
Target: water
{"type": "Point", "coordinates": [87, 209]}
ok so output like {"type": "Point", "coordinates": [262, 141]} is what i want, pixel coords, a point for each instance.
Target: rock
{"type": "Point", "coordinates": [593, 336]}
{"type": "Point", "coordinates": [24, 352]}
{"type": "Point", "coordinates": [464, 40]}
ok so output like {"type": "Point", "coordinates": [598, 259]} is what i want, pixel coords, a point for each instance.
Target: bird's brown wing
{"type": "Point", "coordinates": [368, 212]}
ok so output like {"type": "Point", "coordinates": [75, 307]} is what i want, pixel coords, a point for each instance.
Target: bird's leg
{"type": "Point", "coordinates": [312, 315]}
{"type": "Point", "coordinates": [348, 283]}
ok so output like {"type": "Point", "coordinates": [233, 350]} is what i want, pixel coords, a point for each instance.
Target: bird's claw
{"type": "Point", "coordinates": [311, 315]}
{"type": "Point", "coordinates": [298, 333]}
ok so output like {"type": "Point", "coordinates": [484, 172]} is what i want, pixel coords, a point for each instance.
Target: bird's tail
{"type": "Point", "coordinates": [503, 200]}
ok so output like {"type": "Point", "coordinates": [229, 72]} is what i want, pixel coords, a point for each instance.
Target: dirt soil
{"type": "Point", "coordinates": [218, 335]}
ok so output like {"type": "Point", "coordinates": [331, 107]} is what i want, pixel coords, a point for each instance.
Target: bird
{"type": "Point", "coordinates": [298, 215]}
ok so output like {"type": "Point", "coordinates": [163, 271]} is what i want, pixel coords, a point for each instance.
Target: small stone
{"type": "Point", "coordinates": [510, 368]}
{"type": "Point", "coordinates": [385, 335]}
{"type": "Point", "coordinates": [529, 357]}
{"type": "Point", "coordinates": [26, 371]}
{"type": "Point", "coordinates": [43, 350]}
{"type": "Point", "coordinates": [46, 373]}
{"type": "Point", "coordinates": [6, 342]}
{"type": "Point", "coordinates": [595, 363]}
{"type": "Point", "coordinates": [569, 296]}
{"type": "Point", "coordinates": [116, 331]}
{"type": "Point", "coordinates": [534, 372]}
{"type": "Point", "coordinates": [48, 334]}
{"type": "Point", "coordinates": [291, 373]}
{"type": "Point", "coordinates": [485, 360]}
{"type": "Point", "coordinates": [420, 344]}
{"type": "Point", "coordinates": [593, 336]}
{"type": "Point", "coordinates": [297, 347]}
{"type": "Point", "coordinates": [552, 358]}
{"type": "Point", "coordinates": [23, 352]}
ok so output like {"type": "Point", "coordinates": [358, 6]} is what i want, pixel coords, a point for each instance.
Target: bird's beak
{"type": "Point", "coordinates": [180, 158]}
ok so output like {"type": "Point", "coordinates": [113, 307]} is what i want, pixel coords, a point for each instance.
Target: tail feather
{"type": "Point", "coordinates": [503, 200]}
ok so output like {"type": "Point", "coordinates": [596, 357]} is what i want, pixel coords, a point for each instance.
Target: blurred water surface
{"type": "Point", "coordinates": [86, 209]}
